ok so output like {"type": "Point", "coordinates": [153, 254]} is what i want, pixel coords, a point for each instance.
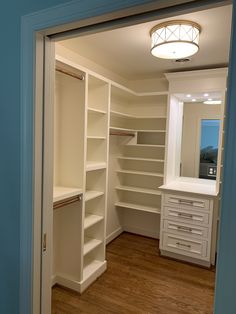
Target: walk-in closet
{"type": "Point", "coordinates": [138, 146]}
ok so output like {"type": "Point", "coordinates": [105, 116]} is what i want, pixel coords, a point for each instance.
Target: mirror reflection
{"type": "Point", "coordinates": [200, 135]}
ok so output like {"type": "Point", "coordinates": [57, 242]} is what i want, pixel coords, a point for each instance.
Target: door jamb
{"type": "Point", "coordinates": [34, 28]}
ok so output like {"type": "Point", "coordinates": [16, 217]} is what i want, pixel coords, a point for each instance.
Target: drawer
{"type": "Point", "coordinates": [186, 202]}
{"type": "Point", "coordinates": [185, 246]}
{"type": "Point", "coordinates": [186, 216]}
{"type": "Point", "coordinates": [182, 229]}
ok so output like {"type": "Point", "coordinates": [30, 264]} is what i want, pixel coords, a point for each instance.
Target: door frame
{"type": "Point", "coordinates": [35, 29]}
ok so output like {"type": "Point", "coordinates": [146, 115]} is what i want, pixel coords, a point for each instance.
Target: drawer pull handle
{"type": "Point", "coordinates": [185, 245]}
{"type": "Point", "coordinates": [187, 229]}
{"type": "Point", "coordinates": [188, 216]}
{"type": "Point", "coordinates": [186, 202]}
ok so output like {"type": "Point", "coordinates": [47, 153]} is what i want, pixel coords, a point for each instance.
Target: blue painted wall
{"type": "Point", "coordinates": [10, 19]}
{"type": "Point", "coordinates": [11, 12]}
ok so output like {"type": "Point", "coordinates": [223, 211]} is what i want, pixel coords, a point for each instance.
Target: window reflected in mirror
{"type": "Point", "coordinates": [209, 148]}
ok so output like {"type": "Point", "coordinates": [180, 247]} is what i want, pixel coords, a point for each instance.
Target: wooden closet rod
{"type": "Point", "coordinates": [77, 76]}
{"type": "Point", "coordinates": [122, 134]}
{"type": "Point", "coordinates": [67, 201]}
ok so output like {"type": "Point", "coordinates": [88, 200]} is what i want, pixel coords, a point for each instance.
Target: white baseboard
{"type": "Point", "coordinates": [53, 280]}
{"type": "Point", "coordinates": [143, 232]}
{"type": "Point", "coordinates": [114, 235]}
{"type": "Point", "coordinates": [80, 286]}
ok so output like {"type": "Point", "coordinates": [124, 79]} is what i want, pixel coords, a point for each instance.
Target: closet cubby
{"type": "Point", "coordinates": [141, 165]}
{"type": "Point", "coordinates": [96, 151]}
{"type": "Point", "coordinates": [151, 138]}
{"type": "Point", "coordinates": [97, 95]}
{"type": "Point", "coordinates": [153, 152]}
{"type": "Point", "coordinates": [96, 125]}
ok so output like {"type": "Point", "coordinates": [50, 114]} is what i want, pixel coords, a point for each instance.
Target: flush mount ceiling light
{"type": "Point", "coordinates": [212, 102]}
{"type": "Point", "coordinates": [175, 39]}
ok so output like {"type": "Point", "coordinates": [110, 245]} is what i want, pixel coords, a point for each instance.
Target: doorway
{"type": "Point", "coordinates": [95, 84]}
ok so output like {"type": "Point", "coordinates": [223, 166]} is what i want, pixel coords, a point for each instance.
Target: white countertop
{"type": "Point", "coordinates": [191, 185]}
{"type": "Point", "coordinates": [61, 193]}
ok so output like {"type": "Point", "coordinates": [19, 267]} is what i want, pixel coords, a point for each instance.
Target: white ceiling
{"type": "Point", "coordinates": [126, 51]}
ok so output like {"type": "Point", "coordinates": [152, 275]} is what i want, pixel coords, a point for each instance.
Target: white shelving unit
{"type": "Point", "coordinates": [138, 126]}
{"type": "Point", "coordinates": [94, 220]}
{"type": "Point", "coordinates": [80, 168]}
{"type": "Point", "coordinates": [83, 121]}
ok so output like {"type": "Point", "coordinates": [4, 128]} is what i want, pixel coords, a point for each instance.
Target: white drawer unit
{"type": "Point", "coordinates": [186, 215]}
{"type": "Point", "coordinates": [179, 228]}
{"type": "Point", "coordinates": [186, 202]}
{"type": "Point", "coordinates": [186, 227]}
{"type": "Point", "coordinates": [185, 246]}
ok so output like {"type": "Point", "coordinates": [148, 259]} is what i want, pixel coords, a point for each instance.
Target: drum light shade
{"type": "Point", "coordinates": [175, 39]}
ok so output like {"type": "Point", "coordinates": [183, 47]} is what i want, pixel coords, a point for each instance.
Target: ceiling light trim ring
{"type": "Point", "coordinates": [175, 22]}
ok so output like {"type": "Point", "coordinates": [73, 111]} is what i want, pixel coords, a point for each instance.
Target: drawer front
{"type": "Point", "coordinates": [186, 202]}
{"type": "Point", "coordinates": [186, 216]}
{"type": "Point", "coordinates": [182, 229]}
{"type": "Point", "coordinates": [184, 246]}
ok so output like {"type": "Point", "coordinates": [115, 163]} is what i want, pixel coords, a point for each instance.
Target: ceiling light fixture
{"type": "Point", "coordinates": [193, 99]}
{"type": "Point", "coordinates": [188, 95]}
{"type": "Point", "coordinates": [212, 102]}
{"type": "Point", "coordinates": [175, 39]}
{"type": "Point", "coordinates": [206, 95]}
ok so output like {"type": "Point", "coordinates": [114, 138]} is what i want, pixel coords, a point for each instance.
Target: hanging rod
{"type": "Point", "coordinates": [67, 201]}
{"type": "Point", "coordinates": [122, 134]}
{"type": "Point", "coordinates": [77, 76]}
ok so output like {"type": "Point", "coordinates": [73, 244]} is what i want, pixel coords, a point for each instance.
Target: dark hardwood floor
{"type": "Point", "coordinates": [139, 281]}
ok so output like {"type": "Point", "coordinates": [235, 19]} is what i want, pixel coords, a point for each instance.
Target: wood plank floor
{"type": "Point", "coordinates": [139, 281]}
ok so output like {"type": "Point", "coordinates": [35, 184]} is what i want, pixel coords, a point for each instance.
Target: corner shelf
{"type": "Point", "coordinates": [129, 116]}
{"type": "Point", "coordinates": [147, 209]}
{"type": "Point", "coordinates": [90, 244]}
{"type": "Point", "coordinates": [113, 128]}
{"type": "Point", "coordinates": [96, 137]}
{"type": "Point", "coordinates": [141, 173]}
{"type": "Point", "coordinates": [90, 220]}
{"type": "Point", "coordinates": [89, 195]}
{"type": "Point", "coordinates": [138, 190]}
{"type": "Point", "coordinates": [94, 165]}
{"type": "Point", "coordinates": [146, 145]}
{"type": "Point", "coordinates": [94, 110]}
{"type": "Point", "coordinates": [141, 159]}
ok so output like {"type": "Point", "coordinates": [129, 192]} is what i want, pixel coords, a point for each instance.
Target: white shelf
{"type": "Point", "coordinates": [93, 165]}
{"type": "Point", "coordinates": [96, 137]}
{"type": "Point", "coordinates": [89, 195]}
{"type": "Point", "coordinates": [151, 131]}
{"type": "Point", "coordinates": [114, 128]}
{"type": "Point", "coordinates": [129, 116]}
{"type": "Point", "coordinates": [91, 268]}
{"type": "Point", "coordinates": [94, 110]}
{"type": "Point", "coordinates": [91, 220]}
{"type": "Point", "coordinates": [145, 145]}
{"type": "Point", "coordinates": [148, 209]}
{"type": "Point", "coordinates": [141, 159]}
{"type": "Point", "coordinates": [138, 190]}
{"type": "Point", "coordinates": [61, 193]}
{"type": "Point", "coordinates": [90, 244]}
{"type": "Point", "coordinates": [141, 173]}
